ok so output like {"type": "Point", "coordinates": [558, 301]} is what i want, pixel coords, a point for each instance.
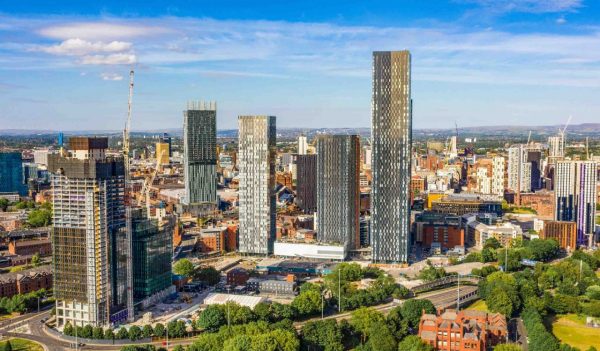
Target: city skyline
{"type": "Point", "coordinates": [470, 58]}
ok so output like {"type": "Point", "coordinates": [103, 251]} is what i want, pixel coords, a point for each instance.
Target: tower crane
{"type": "Point", "coordinates": [128, 225]}
{"type": "Point", "coordinates": [145, 193]}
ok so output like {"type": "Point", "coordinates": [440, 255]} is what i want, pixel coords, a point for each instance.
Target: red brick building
{"type": "Point", "coordinates": [26, 281]}
{"type": "Point", "coordinates": [466, 330]}
{"type": "Point", "coordinates": [237, 276]}
{"type": "Point", "coordinates": [565, 233]}
{"type": "Point", "coordinates": [541, 201]}
{"type": "Point", "coordinates": [447, 235]}
{"type": "Point", "coordinates": [43, 247]}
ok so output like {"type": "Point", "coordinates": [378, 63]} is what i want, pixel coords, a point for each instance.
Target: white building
{"type": "Point", "coordinates": [498, 175]}
{"type": "Point", "coordinates": [310, 250]}
{"type": "Point", "coordinates": [519, 170]}
{"type": "Point", "coordinates": [256, 160]}
{"type": "Point", "coordinates": [302, 145]}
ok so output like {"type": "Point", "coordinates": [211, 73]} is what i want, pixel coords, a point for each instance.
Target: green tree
{"type": "Point", "coordinates": [8, 346]}
{"type": "Point", "coordinates": [184, 267]}
{"type": "Point", "coordinates": [507, 347]}
{"type": "Point", "coordinates": [413, 343]}
{"type": "Point", "coordinates": [413, 309]}
{"type": "Point", "coordinates": [4, 204]}
{"type": "Point", "coordinates": [499, 301]}
{"type": "Point", "coordinates": [109, 334]}
{"type": "Point", "coordinates": [325, 335]}
{"type": "Point", "coordinates": [489, 254]}
{"type": "Point", "coordinates": [211, 319]}
{"type": "Point", "coordinates": [432, 273]}
{"type": "Point", "coordinates": [282, 311]}
{"type": "Point", "coordinates": [35, 260]}
{"type": "Point", "coordinates": [178, 348]}
{"type": "Point", "coordinates": [209, 275]}
{"type": "Point", "coordinates": [39, 218]}
{"type": "Point", "coordinates": [397, 324]}
{"type": "Point", "coordinates": [262, 311]}
{"type": "Point", "coordinates": [365, 317]}
{"type": "Point", "coordinates": [87, 331]}
{"type": "Point", "coordinates": [68, 329]}
{"type": "Point", "coordinates": [381, 338]}
{"type": "Point", "coordinates": [135, 333]}
{"type": "Point", "coordinates": [492, 243]}
{"type": "Point", "coordinates": [98, 333]}
{"type": "Point", "coordinates": [159, 330]}
{"type": "Point", "coordinates": [147, 331]}
{"type": "Point", "coordinates": [307, 303]}
{"type": "Point", "coordinates": [122, 334]}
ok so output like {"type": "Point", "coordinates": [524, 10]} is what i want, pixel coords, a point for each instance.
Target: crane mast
{"type": "Point", "coordinates": [128, 203]}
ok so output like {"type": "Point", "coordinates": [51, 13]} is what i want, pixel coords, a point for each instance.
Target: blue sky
{"type": "Point", "coordinates": [476, 62]}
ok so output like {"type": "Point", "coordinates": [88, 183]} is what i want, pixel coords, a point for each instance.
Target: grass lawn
{"type": "Point", "coordinates": [478, 305]}
{"type": "Point", "coordinates": [22, 345]}
{"type": "Point", "coordinates": [571, 329]}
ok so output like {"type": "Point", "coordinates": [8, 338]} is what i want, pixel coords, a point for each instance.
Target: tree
{"type": "Point", "coordinates": [86, 332]}
{"type": "Point", "coordinates": [109, 334]}
{"type": "Point", "coordinates": [238, 343]}
{"type": "Point", "coordinates": [325, 335]}
{"type": "Point", "coordinates": [147, 331]}
{"type": "Point", "coordinates": [4, 204]}
{"type": "Point", "coordinates": [281, 311]}
{"type": "Point", "coordinates": [489, 254]}
{"type": "Point", "coordinates": [8, 346]}
{"type": "Point", "coordinates": [413, 309]}
{"type": "Point", "coordinates": [122, 334]}
{"type": "Point", "coordinates": [499, 301]}
{"type": "Point", "coordinates": [413, 343]}
{"type": "Point", "coordinates": [184, 267]}
{"type": "Point", "coordinates": [178, 348]}
{"type": "Point", "coordinates": [211, 319]}
{"type": "Point", "coordinates": [381, 338]}
{"type": "Point", "coordinates": [135, 333]}
{"type": "Point", "coordinates": [262, 311]}
{"type": "Point", "coordinates": [209, 275]}
{"type": "Point", "coordinates": [492, 243]}
{"type": "Point", "coordinates": [397, 324]}
{"type": "Point", "coordinates": [432, 273]}
{"type": "Point", "coordinates": [364, 318]}
{"type": "Point", "coordinates": [507, 347]}
{"type": "Point", "coordinates": [68, 329]}
{"type": "Point", "coordinates": [98, 333]}
{"type": "Point", "coordinates": [159, 330]}
{"type": "Point", "coordinates": [35, 260]}
{"type": "Point", "coordinates": [308, 303]}
{"type": "Point", "coordinates": [39, 218]}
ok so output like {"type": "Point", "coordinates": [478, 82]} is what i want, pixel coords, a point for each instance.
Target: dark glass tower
{"type": "Point", "coordinates": [11, 173]}
{"type": "Point", "coordinates": [391, 157]}
{"type": "Point", "coordinates": [306, 185]}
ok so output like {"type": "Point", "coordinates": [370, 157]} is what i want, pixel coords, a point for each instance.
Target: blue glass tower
{"type": "Point", "coordinates": [11, 173]}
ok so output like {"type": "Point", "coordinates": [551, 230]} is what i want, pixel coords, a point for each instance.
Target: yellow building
{"type": "Point", "coordinates": [432, 196]}
{"type": "Point", "coordinates": [162, 152]}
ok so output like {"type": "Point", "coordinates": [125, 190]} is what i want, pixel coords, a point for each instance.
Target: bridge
{"type": "Point", "coordinates": [468, 279]}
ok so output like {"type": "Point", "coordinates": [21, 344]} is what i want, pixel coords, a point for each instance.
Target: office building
{"type": "Point", "coordinates": [391, 142]}
{"type": "Point", "coordinates": [200, 155]}
{"type": "Point", "coordinates": [88, 234]}
{"type": "Point", "coordinates": [256, 163]}
{"type": "Point", "coordinates": [302, 145]}
{"type": "Point", "coordinates": [306, 185]}
{"type": "Point", "coordinates": [11, 173]}
{"type": "Point", "coordinates": [575, 192]}
{"type": "Point", "coordinates": [162, 153]}
{"type": "Point", "coordinates": [338, 189]}
{"type": "Point", "coordinates": [565, 233]}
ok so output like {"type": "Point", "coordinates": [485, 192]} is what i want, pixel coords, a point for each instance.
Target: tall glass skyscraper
{"type": "Point", "coordinates": [338, 190]}
{"type": "Point", "coordinates": [306, 185]}
{"type": "Point", "coordinates": [256, 162]}
{"type": "Point", "coordinates": [200, 154]}
{"type": "Point", "coordinates": [11, 173]}
{"type": "Point", "coordinates": [391, 135]}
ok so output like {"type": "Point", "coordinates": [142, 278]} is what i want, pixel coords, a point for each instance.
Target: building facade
{"type": "Point", "coordinates": [498, 168]}
{"type": "Point", "coordinates": [306, 185]}
{"type": "Point", "coordinates": [11, 173]}
{"type": "Point", "coordinates": [302, 145]}
{"type": "Point", "coordinates": [88, 234]}
{"type": "Point", "coordinates": [519, 170]}
{"type": "Point", "coordinates": [575, 193]}
{"type": "Point", "coordinates": [391, 141]}
{"type": "Point", "coordinates": [256, 163]}
{"type": "Point", "coordinates": [338, 189]}
{"type": "Point", "coordinates": [162, 153]}
{"type": "Point", "coordinates": [200, 154]}
{"type": "Point", "coordinates": [565, 233]}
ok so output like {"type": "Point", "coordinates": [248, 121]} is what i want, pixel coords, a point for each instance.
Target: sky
{"type": "Point", "coordinates": [65, 65]}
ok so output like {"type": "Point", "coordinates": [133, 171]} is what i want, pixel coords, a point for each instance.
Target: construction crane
{"type": "Point", "coordinates": [128, 190]}
{"type": "Point", "coordinates": [529, 138]}
{"type": "Point", "coordinates": [145, 193]}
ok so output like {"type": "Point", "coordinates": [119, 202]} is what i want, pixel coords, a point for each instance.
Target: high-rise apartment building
{"type": "Point", "coordinates": [306, 185]}
{"type": "Point", "coordinates": [391, 142]}
{"type": "Point", "coordinates": [556, 148]}
{"type": "Point", "coordinates": [302, 145]}
{"type": "Point", "coordinates": [88, 234]}
{"type": "Point", "coordinates": [519, 170]}
{"type": "Point", "coordinates": [453, 152]}
{"type": "Point", "coordinates": [575, 192]}
{"type": "Point", "coordinates": [200, 155]}
{"type": "Point", "coordinates": [498, 175]}
{"type": "Point", "coordinates": [11, 173]}
{"type": "Point", "coordinates": [256, 163]}
{"type": "Point", "coordinates": [338, 189]}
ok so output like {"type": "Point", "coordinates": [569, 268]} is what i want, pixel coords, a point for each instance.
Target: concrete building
{"type": "Point", "coordinates": [306, 185]}
{"type": "Point", "coordinates": [256, 162]}
{"type": "Point", "coordinates": [318, 251]}
{"type": "Point", "coordinates": [88, 234]}
{"type": "Point", "coordinates": [565, 233]}
{"type": "Point", "coordinates": [338, 189]}
{"type": "Point", "coordinates": [391, 142]}
{"type": "Point", "coordinates": [556, 148]}
{"type": "Point", "coordinates": [11, 173]}
{"type": "Point", "coordinates": [272, 286]}
{"type": "Point", "coordinates": [302, 145]}
{"type": "Point", "coordinates": [505, 233]}
{"type": "Point", "coordinates": [465, 330]}
{"type": "Point", "coordinates": [519, 170]}
{"type": "Point", "coordinates": [460, 204]}
{"type": "Point", "coordinates": [575, 192]}
{"type": "Point", "coordinates": [200, 156]}
{"type": "Point", "coordinates": [498, 168]}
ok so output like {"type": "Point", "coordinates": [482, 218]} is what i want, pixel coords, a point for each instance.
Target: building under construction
{"type": "Point", "coordinates": [88, 234]}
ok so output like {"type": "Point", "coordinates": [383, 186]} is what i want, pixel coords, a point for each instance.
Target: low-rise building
{"type": "Point", "coordinates": [272, 286]}
{"type": "Point", "coordinates": [565, 233]}
{"type": "Point", "coordinates": [467, 203]}
{"type": "Point", "coordinates": [237, 276]}
{"type": "Point", "coordinates": [541, 201]}
{"type": "Point", "coordinates": [315, 250]}
{"type": "Point", "coordinates": [505, 233]}
{"type": "Point", "coordinates": [43, 247]}
{"type": "Point", "coordinates": [25, 281]}
{"type": "Point", "coordinates": [466, 330]}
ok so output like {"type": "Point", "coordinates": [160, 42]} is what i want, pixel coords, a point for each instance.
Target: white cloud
{"type": "Point", "coordinates": [111, 76]}
{"type": "Point", "coordinates": [113, 59]}
{"type": "Point", "coordinates": [100, 30]}
{"type": "Point", "coordinates": [528, 6]}
{"type": "Point", "coordinates": [79, 47]}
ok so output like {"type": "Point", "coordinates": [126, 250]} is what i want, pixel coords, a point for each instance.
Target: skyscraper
{"type": "Point", "coordinates": [11, 173]}
{"type": "Point", "coordinates": [256, 163]}
{"type": "Point", "coordinates": [88, 234]}
{"type": "Point", "coordinates": [200, 156]}
{"type": "Point", "coordinates": [391, 142]}
{"type": "Point", "coordinates": [498, 175]}
{"type": "Point", "coordinates": [302, 145]}
{"type": "Point", "coordinates": [556, 148]}
{"type": "Point", "coordinates": [519, 170]}
{"type": "Point", "coordinates": [575, 192]}
{"type": "Point", "coordinates": [338, 190]}
{"type": "Point", "coordinates": [306, 185]}
{"type": "Point", "coordinates": [162, 153]}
